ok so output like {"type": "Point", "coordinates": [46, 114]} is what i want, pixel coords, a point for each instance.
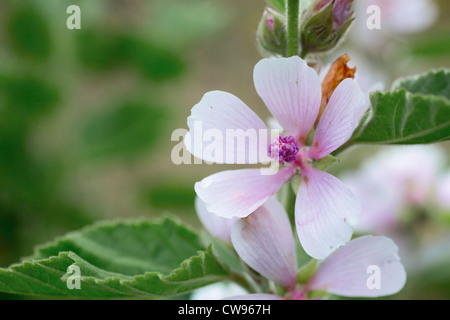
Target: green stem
{"type": "Point", "coordinates": [292, 13]}
{"type": "Point", "coordinates": [245, 282]}
{"type": "Point", "coordinates": [288, 200]}
{"type": "Point", "coordinates": [345, 146]}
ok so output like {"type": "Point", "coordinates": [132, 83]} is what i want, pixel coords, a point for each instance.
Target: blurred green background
{"type": "Point", "coordinates": [86, 115]}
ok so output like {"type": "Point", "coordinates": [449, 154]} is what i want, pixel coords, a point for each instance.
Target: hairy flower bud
{"type": "Point", "coordinates": [326, 25]}
{"type": "Point", "coordinates": [271, 34]}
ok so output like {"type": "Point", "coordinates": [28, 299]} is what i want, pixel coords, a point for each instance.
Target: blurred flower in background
{"type": "Point", "coordinates": [395, 180]}
{"type": "Point", "coordinates": [397, 18]}
{"type": "Point", "coordinates": [404, 192]}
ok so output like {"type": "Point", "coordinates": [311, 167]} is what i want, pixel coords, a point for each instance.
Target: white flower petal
{"type": "Point", "coordinates": [291, 91]}
{"type": "Point", "coordinates": [237, 193]}
{"type": "Point", "coordinates": [264, 241]}
{"type": "Point", "coordinates": [325, 209]}
{"type": "Point", "coordinates": [365, 267]}
{"type": "Point", "coordinates": [222, 129]}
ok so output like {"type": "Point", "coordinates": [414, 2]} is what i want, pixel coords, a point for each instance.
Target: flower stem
{"type": "Point", "coordinates": [345, 146]}
{"type": "Point", "coordinates": [292, 13]}
{"type": "Point", "coordinates": [287, 198]}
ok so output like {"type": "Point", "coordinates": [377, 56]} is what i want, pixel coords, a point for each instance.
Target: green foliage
{"type": "Point", "coordinates": [103, 50]}
{"type": "Point", "coordinates": [435, 83]}
{"type": "Point", "coordinates": [170, 196]}
{"type": "Point", "coordinates": [129, 128]}
{"type": "Point", "coordinates": [25, 96]}
{"type": "Point", "coordinates": [430, 45]}
{"type": "Point", "coordinates": [28, 33]}
{"type": "Point", "coordinates": [182, 25]}
{"type": "Point", "coordinates": [29, 189]}
{"type": "Point", "coordinates": [47, 134]}
{"type": "Point", "coordinates": [156, 62]}
{"type": "Point", "coordinates": [119, 259]}
{"type": "Point", "coordinates": [417, 112]}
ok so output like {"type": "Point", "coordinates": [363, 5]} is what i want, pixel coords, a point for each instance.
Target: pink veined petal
{"type": "Point", "coordinates": [325, 209]}
{"type": "Point", "coordinates": [291, 91]}
{"type": "Point", "coordinates": [339, 120]}
{"type": "Point", "coordinates": [351, 270]}
{"type": "Point", "coordinates": [264, 241]}
{"type": "Point", "coordinates": [255, 296]}
{"type": "Point", "coordinates": [217, 226]}
{"type": "Point", "coordinates": [237, 193]}
{"type": "Point", "coordinates": [223, 129]}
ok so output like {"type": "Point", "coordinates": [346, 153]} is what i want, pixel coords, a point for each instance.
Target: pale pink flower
{"type": "Point", "coordinates": [393, 179]}
{"type": "Point", "coordinates": [325, 208]}
{"type": "Point", "coordinates": [264, 241]}
{"type": "Point", "coordinates": [217, 226]}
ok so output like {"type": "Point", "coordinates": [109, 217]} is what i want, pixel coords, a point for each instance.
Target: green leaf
{"type": "Point", "coordinates": [417, 111]}
{"type": "Point", "coordinates": [436, 82]}
{"type": "Point", "coordinates": [401, 117]}
{"type": "Point", "coordinates": [119, 259]}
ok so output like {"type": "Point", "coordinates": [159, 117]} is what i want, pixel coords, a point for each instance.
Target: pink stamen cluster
{"type": "Point", "coordinates": [284, 148]}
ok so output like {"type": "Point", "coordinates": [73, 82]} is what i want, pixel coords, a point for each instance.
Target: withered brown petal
{"type": "Point", "coordinates": [338, 72]}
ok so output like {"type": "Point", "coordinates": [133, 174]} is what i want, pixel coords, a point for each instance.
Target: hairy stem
{"type": "Point", "coordinates": [293, 11]}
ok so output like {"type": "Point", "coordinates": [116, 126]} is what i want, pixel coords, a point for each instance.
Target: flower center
{"type": "Point", "coordinates": [284, 149]}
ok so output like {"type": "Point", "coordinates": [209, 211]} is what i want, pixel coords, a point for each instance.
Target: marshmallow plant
{"type": "Point", "coordinates": [283, 230]}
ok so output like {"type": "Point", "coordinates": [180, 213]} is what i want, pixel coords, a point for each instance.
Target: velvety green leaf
{"type": "Point", "coordinates": [118, 259]}
{"type": "Point", "coordinates": [436, 82]}
{"type": "Point", "coordinates": [416, 111]}
{"type": "Point", "coordinates": [401, 117]}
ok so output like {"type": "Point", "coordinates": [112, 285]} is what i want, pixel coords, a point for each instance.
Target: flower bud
{"type": "Point", "coordinates": [326, 25]}
{"type": "Point", "coordinates": [271, 34]}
